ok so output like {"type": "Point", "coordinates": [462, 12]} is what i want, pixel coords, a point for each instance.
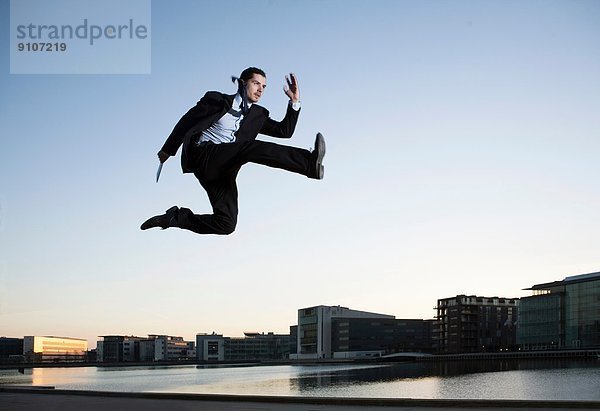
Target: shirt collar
{"type": "Point", "coordinates": [237, 102]}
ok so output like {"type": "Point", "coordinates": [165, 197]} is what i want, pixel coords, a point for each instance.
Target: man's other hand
{"type": "Point", "coordinates": [291, 89]}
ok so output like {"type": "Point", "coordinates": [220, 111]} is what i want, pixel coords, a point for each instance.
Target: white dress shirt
{"type": "Point", "coordinates": [224, 129]}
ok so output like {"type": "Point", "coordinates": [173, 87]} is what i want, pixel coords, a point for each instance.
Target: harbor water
{"type": "Point", "coordinates": [513, 379]}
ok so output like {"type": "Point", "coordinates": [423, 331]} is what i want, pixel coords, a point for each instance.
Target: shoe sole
{"type": "Point", "coordinates": [320, 147]}
{"type": "Point", "coordinates": [170, 210]}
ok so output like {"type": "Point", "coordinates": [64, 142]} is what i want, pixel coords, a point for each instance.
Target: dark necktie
{"type": "Point", "coordinates": [242, 92]}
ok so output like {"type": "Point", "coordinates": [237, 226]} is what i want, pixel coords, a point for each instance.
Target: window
{"type": "Point", "coordinates": [213, 348]}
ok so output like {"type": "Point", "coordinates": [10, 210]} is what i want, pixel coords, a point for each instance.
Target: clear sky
{"type": "Point", "coordinates": [463, 140]}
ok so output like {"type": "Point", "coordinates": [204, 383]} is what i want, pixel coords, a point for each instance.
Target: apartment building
{"type": "Point", "coordinates": [469, 323]}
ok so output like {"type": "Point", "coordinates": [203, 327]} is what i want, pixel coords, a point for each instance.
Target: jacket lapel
{"type": "Point", "coordinates": [251, 123]}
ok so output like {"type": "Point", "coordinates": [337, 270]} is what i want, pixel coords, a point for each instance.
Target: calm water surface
{"type": "Point", "coordinates": [567, 380]}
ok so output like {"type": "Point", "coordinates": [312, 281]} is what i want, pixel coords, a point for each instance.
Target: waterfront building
{"type": "Point", "coordinates": [315, 331]}
{"type": "Point", "coordinates": [326, 332]}
{"type": "Point", "coordinates": [11, 349]}
{"type": "Point", "coordinates": [146, 350]}
{"type": "Point", "coordinates": [54, 349]}
{"type": "Point", "coordinates": [561, 314]}
{"type": "Point", "coordinates": [131, 350]}
{"type": "Point", "coordinates": [542, 318]}
{"type": "Point", "coordinates": [252, 347]}
{"type": "Point", "coordinates": [210, 347]}
{"type": "Point", "coordinates": [257, 346]}
{"type": "Point", "coordinates": [118, 348]}
{"type": "Point", "coordinates": [91, 356]}
{"type": "Point", "coordinates": [293, 341]}
{"type": "Point", "coordinates": [169, 348]}
{"type": "Point", "coordinates": [123, 348]}
{"type": "Point", "coordinates": [352, 336]}
{"type": "Point", "coordinates": [469, 323]}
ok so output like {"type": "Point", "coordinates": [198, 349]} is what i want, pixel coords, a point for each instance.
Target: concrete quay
{"type": "Point", "coordinates": [31, 398]}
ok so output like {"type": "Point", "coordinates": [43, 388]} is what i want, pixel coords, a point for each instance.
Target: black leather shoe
{"type": "Point", "coordinates": [168, 219]}
{"type": "Point", "coordinates": [318, 171]}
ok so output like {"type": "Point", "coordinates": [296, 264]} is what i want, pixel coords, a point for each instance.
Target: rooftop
{"type": "Point", "coordinates": [573, 279]}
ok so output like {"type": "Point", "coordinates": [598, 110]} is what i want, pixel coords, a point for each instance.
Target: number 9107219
{"type": "Point", "coordinates": [42, 46]}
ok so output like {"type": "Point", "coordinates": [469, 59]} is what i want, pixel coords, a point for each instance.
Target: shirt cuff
{"type": "Point", "coordinates": [296, 106]}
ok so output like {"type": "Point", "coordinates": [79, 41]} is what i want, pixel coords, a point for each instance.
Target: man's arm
{"type": "Point", "coordinates": [189, 120]}
{"type": "Point", "coordinates": [285, 128]}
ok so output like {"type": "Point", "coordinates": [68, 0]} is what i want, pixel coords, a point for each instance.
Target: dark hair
{"type": "Point", "coordinates": [250, 71]}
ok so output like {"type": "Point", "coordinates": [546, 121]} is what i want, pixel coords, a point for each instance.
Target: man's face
{"type": "Point", "coordinates": [255, 87]}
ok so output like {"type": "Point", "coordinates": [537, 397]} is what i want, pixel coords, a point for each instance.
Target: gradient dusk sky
{"type": "Point", "coordinates": [463, 155]}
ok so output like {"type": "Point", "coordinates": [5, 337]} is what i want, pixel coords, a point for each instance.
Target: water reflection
{"type": "Point", "coordinates": [312, 378]}
{"type": "Point", "coordinates": [315, 377]}
{"type": "Point", "coordinates": [483, 379]}
{"type": "Point", "coordinates": [453, 368]}
{"type": "Point", "coordinates": [517, 379]}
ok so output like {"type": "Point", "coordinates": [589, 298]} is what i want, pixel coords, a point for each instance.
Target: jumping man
{"type": "Point", "coordinates": [219, 136]}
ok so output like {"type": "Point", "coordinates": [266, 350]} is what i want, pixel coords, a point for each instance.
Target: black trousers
{"type": "Point", "coordinates": [216, 168]}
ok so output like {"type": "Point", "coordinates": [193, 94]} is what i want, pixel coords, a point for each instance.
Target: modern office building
{"type": "Point", "coordinates": [169, 348]}
{"type": "Point", "coordinates": [582, 311]}
{"type": "Point", "coordinates": [118, 348]}
{"type": "Point", "coordinates": [541, 323]}
{"type": "Point", "coordinates": [131, 350]}
{"type": "Point", "coordinates": [252, 347]}
{"type": "Point", "coordinates": [54, 349]}
{"type": "Point", "coordinates": [561, 314]}
{"type": "Point", "coordinates": [315, 331]}
{"type": "Point", "coordinates": [124, 348]}
{"type": "Point", "coordinates": [146, 350]}
{"type": "Point", "coordinates": [11, 349]}
{"type": "Point", "coordinates": [325, 332]}
{"type": "Point", "coordinates": [352, 336]}
{"type": "Point", "coordinates": [469, 323]}
{"type": "Point", "coordinates": [293, 341]}
{"type": "Point", "coordinates": [210, 347]}
{"type": "Point", "coordinates": [257, 346]}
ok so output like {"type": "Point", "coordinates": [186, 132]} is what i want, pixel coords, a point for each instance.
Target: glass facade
{"type": "Point", "coordinates": [118, 348]}
{"type": "Point", "coordinates": [562, 314]}
{"type": "Point", "coordinates": [307, 328]}
{"type": "Point", "coordinates": [252, 347]}
{"type": "Point", "coordinates": [386, 335]}
{"type": "Point", "coordinates": [317, 326]}
{"type": "Point", "coordinates": [258, 347]}
{"type": "Point", "coordinates": [11, 350]}
{"type": "Point", "coordinates": [540, 322]}
{"type": "Point", "coordinates": [54, 349]}
{"type": "Point", "coordinates": [293, 341]}
{"type": "Point", "coordinates": [582, 322]}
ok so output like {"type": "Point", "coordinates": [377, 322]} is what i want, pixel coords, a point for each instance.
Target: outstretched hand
{"type": "Point", "coordinates": [291, 89]}
{"type": "Point", "coordinates": [162, 156]}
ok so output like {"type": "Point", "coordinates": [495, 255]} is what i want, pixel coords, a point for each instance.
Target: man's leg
{"type": "Point", "coordinates": [216, 170]}
{"type": "Point", "coordinates": [223, 197]}
{"type": "Point", "coordinates": [296, 160]}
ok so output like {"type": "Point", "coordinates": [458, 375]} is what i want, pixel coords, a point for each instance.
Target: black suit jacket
{"type": "Point", "coordinates": [211, 108]}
